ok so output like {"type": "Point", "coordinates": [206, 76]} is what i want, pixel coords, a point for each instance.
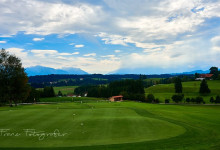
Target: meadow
{"type": "Point", "coordinates": [97, 125]}
{"type": "Point", "coordinates": [190, 89]}
{"type": "Point", "coordinates": [65, 89]}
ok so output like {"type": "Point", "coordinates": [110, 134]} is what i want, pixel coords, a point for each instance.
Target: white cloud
{"type": "Point", "coordinates": [150, 33]}
{"type": "Point", "coordinates": [3, 42]}
{"type": "Point", "coordinates": [79, 46]}
{"type": "Point", "coordinates": [90, 54]}
{"type": "Point", "coordinates": [41, 17]}
{"type": "Point", "coordinates": [44, 53]}
{"type": "Point", "coordinates": [89, 64]}
{"type": "Point", "coordinates": [38, 39]}
{"type": "Point", "coordinates": [216, 41]}
{"type": "Point", "coordinates": [117, 51]}
{"type": "Point", "coordinates": [19, 52]}
{"type": "Point", "coordinates": [75, 53]}
{"type": "Point", "coordinates": [113, 39]}
{"type": "Point", "coordinates": [65, 54]}
{"type": "Point", "coordinates": [215, 44]}
{"type": "Point", "coordinates": [108, 56]}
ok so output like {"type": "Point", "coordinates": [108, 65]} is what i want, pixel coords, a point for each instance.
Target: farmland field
{"type": "Point", "coordinates": [103, 125]}
{"type": "Point", "coordinates": [190, 89]}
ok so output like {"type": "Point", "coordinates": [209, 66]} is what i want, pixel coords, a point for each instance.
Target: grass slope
{"type": "Point", "coordinates": [104, 125]}
{"type": "Point", "coordinates": [190, 89]}
{"type": "Point", "coordinates": [65, 89]}
{"type": "Point", "coordinates": [71, 99]}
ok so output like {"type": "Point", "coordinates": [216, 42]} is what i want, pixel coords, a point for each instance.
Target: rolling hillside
{"type": "Point", "coordinates": [190, 89]}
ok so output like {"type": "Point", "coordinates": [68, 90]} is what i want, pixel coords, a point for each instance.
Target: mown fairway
{"type": "Point", "coordinates": [104, 125]}
{"type": "Point", "coordinates": [190, 89]}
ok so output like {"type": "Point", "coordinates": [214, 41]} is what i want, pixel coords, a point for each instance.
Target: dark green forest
{"type": "Point", "coordinates": [130, 89]}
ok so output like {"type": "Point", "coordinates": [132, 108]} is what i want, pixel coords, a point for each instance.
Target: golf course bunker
{"type": "Point", "coordinates": [81, 127]}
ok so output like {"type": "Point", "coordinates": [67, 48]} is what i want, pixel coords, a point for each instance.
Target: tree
{"type": "Point", "coordinates": [199, 99]}
{"type": "Point", "coordinates": [177, 98]}
{"type": "Point", "coordinates": [193, 100]}
{"type": "Point", "coordinates": [48, 92]}
{"type": "Point", "coordinates": [217, 99]}
{"type": "Point", "coordinates": [167, 101]}
{"type": "Point", "coordinates": [178, 85]}
{"type": "Point", "coordinates": [13, 79]}
{"type": "Point", "coordinates": [214, 71]}
{"type": "Point", "coordinates": [187, 99]}
{"type": "Point", "coordinates": [157, 100]}
{"type": "Point", "coordinates": [150, 98]}
{"type": "Point", "coordinates": [60, 93]}
{"type": "Point", "coordinates": [197, 75]}
{"type": "Point", "coordinates": [212, 100]}
{"type": "Point", "coordinates": [33, 97]}
{"type": "Point", "coordinates": [204, 89]}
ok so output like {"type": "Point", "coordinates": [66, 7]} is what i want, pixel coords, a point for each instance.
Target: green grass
{"type": "Point", "coordinates": [65, 89]}
{"type": "Point", "coordinates": [190, 89]}
{"type": "Point", "coordinates": [120, 125]}
{"type": "Point", "coordinates": [70, 99]}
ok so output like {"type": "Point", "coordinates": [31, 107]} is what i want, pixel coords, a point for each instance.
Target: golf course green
{"type": "Point", "coordinates": [104, 125]}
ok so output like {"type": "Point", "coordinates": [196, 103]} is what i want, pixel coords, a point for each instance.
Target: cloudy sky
{"type": "Point", "coordinates": [104, 36]}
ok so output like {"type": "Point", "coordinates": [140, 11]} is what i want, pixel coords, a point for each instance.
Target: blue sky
{"type": "Point", "coordinates": [107, 36]}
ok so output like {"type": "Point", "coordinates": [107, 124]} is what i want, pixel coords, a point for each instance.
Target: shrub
{"type": "Point", "coordinates": [150, 98]}
{"type": "Point", "coordinates": [177, 98]}
{"type": "Point", "coordinates": [212, 100]}
{"type": "Point", "coordinates": [167, 101]}
{"type": "Point", "coordinates": [157, 100]}
{"type": "Point", "coordinates": [187, 99]}
{"type": "Point", "coordinates": [217, 100]}
{"type": "Point", "coordinates": [193, 100]}
{"type": "Point", "coordinates": [199, 100]}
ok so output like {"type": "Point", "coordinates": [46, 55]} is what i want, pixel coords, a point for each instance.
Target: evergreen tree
{"type": "Point", "coordinates": [48, 92]}
{"type": "Point", "coordinates": [204, 87]}
{"type": "Point", "coordinates": [60, 93]}
{"type": "Point", "coordinates": [178, 85]}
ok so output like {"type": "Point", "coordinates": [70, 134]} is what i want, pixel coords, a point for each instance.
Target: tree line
{"type": "Point", "coordinates": [130, 89]}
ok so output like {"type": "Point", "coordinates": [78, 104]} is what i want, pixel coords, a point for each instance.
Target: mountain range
{"type": "Point", "coordinates": [41, 70]}
{"type": "Point", "coordinates": [154, 70]}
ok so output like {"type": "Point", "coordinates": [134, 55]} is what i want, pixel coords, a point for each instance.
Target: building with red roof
{"type": "Point", "coordinates": [116, 98]}
{"type": "Point", "coordinates": [206, 75]}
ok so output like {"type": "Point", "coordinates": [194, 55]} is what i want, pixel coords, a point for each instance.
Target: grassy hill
{"type": "Point", "coordinates": [65, 89]}
{"type": "Point", "coordinates": [70, 99]}
{"type": "Point", "coordinates": [190, 89]}
{"type": "Point", "coordinates": [104, 125]}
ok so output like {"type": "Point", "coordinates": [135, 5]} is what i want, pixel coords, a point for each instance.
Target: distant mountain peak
{"type": "Point", "coordinates": [42, 70]}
